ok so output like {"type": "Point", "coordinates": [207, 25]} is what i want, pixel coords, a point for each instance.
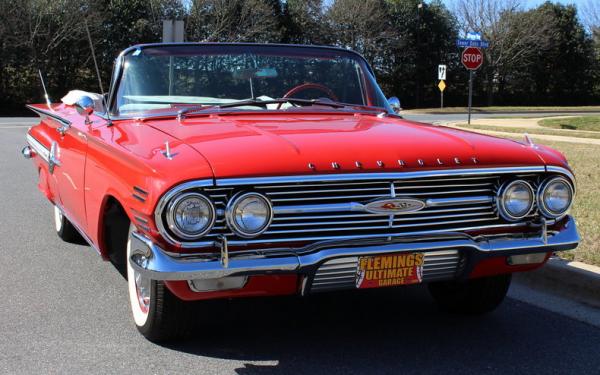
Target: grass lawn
{"type": "Point", "coordinates": [584, 160]}
{"type": "Point", "coordinates": [502, 109]}
{"type": "Point", "coordinates": [589, 123]}
{"type": "Point", "coordinates": [516, 129]}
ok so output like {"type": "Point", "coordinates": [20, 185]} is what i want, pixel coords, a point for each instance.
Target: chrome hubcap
{"type": "Point", "coordinates": [142, 287]}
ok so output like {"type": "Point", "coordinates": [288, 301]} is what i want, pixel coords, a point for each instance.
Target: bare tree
{"type": "Point", "coordinates": [510, 31]}
{"type": "Point", "coordinates": [232, 20]}
{"type": "Point", "coordinates": [360, 24]}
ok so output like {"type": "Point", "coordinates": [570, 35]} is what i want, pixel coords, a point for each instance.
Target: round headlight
{"type": "Point", "coordinates": [515, 200]}
{"type": "Point", "coordinates": [555, 197]}
{"type": "Point", "coordinates": [190, 215]}
{"type": "Point", "coordinates": [249, 214]}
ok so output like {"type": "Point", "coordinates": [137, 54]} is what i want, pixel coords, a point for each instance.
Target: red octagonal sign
{"type": "Point", "coordinates": [472, 58]}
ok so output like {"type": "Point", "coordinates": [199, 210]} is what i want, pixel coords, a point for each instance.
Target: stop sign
{"type": "Point", "coordinates": [472, 58]}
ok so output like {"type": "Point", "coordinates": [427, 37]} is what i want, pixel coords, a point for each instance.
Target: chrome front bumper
{"type": "Point", "coordinates": [155, 263]}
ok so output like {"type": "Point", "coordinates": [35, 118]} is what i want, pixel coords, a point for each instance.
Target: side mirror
{"type": "Point", "coordinates": [394, 102]}
{"type": "Point", "coordinates": [85, 107]}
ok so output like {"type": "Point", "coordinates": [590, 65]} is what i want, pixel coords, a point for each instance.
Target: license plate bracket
{"type": "Point", "coordinates": [382, 270]}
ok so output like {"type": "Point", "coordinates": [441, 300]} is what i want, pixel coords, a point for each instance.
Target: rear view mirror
{"type": "Point", "coordinates": [85, 107]}
{"type": "Point", "coordinates": [394, 102]}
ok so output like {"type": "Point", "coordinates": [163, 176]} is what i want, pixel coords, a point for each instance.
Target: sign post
{"type": "Point", "coordinates": [471, 58]}
{"type": "Point", "coordinates": [442, 85]}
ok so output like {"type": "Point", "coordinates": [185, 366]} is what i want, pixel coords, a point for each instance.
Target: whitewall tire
{"type": "Point", "coordinates": [157, 313]}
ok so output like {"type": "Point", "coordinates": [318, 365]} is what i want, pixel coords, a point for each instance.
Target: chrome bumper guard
{"type": "Point", "coordinates": [155, 263]}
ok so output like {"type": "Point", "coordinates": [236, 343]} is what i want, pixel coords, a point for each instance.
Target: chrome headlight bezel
{"type": "Point", "coordinates": [230, 214]}
{"type": "Point", "coordinates": [170, 214]}
{"type": "Point", "coordinates": [500, 199]}
{"type": "Point", "coordinates": [542, 203]}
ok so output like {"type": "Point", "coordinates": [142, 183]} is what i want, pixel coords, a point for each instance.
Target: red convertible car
{"type": "Point", "coordinates": [236, 170]}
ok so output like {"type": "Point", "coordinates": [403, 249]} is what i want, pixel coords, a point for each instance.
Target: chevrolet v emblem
{"type": "Point", "coordinates": [394, 206]}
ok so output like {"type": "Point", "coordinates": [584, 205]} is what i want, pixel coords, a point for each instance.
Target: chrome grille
{"type": "Point", "coordinates": [312, 208]}
{"type": "Point", "coordinates": [341, 273]}
{"type": "Point", "coordinates": [327, 218]}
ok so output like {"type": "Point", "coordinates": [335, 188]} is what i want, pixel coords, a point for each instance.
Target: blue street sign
{"type": "Point", "coordinates": [471, 35]}
{"type": "Point", "coordinates": [472, 43]}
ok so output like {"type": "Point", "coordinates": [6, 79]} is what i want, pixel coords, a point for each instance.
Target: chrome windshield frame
{"type": "Point", "coordinates": [120, 60]}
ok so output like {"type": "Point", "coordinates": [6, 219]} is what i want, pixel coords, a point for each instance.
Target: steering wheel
{"type": "Point", "coordinates": [308, 86]}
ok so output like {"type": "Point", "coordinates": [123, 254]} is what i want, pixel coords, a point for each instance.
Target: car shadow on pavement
{"type": "Point", "coordinates": [397, 330]}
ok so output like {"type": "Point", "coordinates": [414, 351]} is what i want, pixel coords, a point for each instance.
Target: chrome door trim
{"type": "Point", "coordinates": [39, 148]}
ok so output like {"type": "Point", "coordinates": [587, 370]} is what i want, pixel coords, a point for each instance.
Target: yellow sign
{"type": "Point", "coordinates": [442, 85]}
{"type": "Point", "coordinates": [389, 270]}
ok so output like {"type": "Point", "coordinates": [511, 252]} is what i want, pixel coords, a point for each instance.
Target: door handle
{"type": "Point", "coordinates": [63, 129]}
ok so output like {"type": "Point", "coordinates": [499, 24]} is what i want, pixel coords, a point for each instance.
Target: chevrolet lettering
{"type": "Point", "coordinates": [232, 170]}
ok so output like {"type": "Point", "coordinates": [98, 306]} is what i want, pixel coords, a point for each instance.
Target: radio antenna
{"type": "Point", "coordinates": [87, 29]}
{"type": "Point", "coordinates": [45, 91]}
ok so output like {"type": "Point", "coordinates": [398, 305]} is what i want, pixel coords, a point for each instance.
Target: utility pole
{"type": "Point", "coordinates": [173, 32]}
{"type": "Point", "coordinates": [418, 62]}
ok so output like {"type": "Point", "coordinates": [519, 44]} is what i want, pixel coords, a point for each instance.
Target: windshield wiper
{"type": "Point", "coordinates": [257, 102]}
{"type": "Point", "coordinates": [263, 103]}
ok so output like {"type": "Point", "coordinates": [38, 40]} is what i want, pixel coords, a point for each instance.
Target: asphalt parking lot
{"type": "Point", "coordinates": [63, 310]}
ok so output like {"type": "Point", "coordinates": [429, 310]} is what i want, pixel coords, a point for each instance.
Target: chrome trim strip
{"type": "Point", "coordinates": [442, 202]}
{"type": "Point", "coordinates": [191, 245]}
{"type": "Point", "coordinates": [54, 116]}
{"type": "Point", "coordinates": [39, 148]}
{"type": "Point", "coordinates": [377, 176]}
{"type": "Point", "coordinates": [358, 207]}
{"type": "Point", "coordinates": [156, 264]}
{"type": "Point", "coordinates": [564, 171]}
{"type": "Point", "coordinates": [83, 234]}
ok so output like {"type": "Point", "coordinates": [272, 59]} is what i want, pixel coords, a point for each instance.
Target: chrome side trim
{"type": "Point", "coordinates": [39, 148]}
{"type": "Point", "coordinates": [377, 176]}
{"type": "Point", "coordinates": [83, 234]}
{"type": "Point", "coordinates": [46, 113]}
{"type": "Point", "coordinates": [153, 262]}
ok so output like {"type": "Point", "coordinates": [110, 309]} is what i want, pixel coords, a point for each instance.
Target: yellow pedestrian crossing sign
{"type": "Point", "coordinates": [442, 85]}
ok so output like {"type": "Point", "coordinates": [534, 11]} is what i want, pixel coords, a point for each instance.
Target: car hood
{"type": "Point", "coordinates": [242, 145]}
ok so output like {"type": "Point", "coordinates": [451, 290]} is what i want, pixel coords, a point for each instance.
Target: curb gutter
{"type": "Point", "coordinates": [574, 280]}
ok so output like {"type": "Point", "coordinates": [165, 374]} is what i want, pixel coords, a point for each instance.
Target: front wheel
{"type": "Point", "coordinates": [476, 296]}
{"type": "Point", "coordinates": [157, 313]}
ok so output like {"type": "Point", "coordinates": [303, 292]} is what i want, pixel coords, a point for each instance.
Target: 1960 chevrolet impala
{"type": "Point", "coordinates": [235, 170]}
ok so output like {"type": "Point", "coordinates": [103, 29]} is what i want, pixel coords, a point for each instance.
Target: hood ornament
{"type": "Point", "coordinates": [167, 152]}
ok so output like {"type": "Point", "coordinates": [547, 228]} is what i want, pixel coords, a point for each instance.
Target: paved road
{"type": "Point", "coordinates": [63, 310]}
{"type": "Point", "coordinates": [427, 118]}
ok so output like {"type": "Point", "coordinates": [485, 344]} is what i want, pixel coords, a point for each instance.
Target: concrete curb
{"type": "Point", "coordinates": [574, 280]}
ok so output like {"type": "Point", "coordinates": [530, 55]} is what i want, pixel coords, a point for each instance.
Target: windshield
{"type": "Point", "coordinates": [158, 77]}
